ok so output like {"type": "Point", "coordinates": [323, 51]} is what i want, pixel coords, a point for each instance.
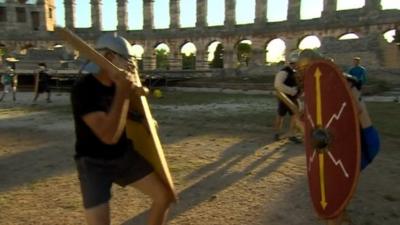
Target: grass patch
{"type": "Point", "coordinates": [385, 116]}
{"type": "Point", "coordinates": [235, 79]}
{"type": "Point", "coordinates": [196, 98]}
{"type": "Point", "coordinates": [215, 109]}
{"type": "Point", "coordinates": [375, 86]}
{"type": "Point", "coordinates": [30, 109]}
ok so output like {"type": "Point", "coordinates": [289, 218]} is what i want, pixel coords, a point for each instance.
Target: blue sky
{"type": "Point", "coordinates": [245, 11]}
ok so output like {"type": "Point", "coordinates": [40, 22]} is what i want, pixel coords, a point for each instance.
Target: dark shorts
{"type": "Point", "coordinates": [96, 176]}
{"type": "Point", "coordinates": [43, 87]}
{"type": "Point", "coordinates": [283, 109]}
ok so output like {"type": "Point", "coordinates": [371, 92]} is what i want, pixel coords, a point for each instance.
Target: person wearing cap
{"type": "Point", "coordinates": [42, 82]}
{"type": "Point", "coordinates": [104, 155]}
{"type": "Point", "coordinates": [285, 82]}
{"type": "Point", "coordinates": [9, 80]}
{"type": "Point", "coordinates": [359, 72]}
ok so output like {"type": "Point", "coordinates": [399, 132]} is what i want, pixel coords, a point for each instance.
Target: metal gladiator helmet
{"type": "Point", "coordinates": [110, 42]}
{"type": "Point", "coordinates": [115, 43]}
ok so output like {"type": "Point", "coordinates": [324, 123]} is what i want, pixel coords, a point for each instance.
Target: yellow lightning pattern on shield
{"type": "Point", "coordinates": [321, 155]}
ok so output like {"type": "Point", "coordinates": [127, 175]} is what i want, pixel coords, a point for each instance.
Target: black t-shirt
{"type": "Point", "coordinates": [44, 77]}
{"type": "Point", "coordinates": [89, 95]}
{"type": "Point", "coordinates": [290, 79]}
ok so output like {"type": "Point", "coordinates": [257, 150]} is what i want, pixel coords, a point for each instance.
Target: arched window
{"type": "Point", "coordinates": [389, 35]}
{"type": "Point", "coordinates": [348, 36]}
{"type": "Point", "coordinates": [310, 42]}
{"type": "Point", "coordinates": [216, 54]}
{"type": "Point", "coordinates": [188, 51]}
{"type": "Point", "coordinates": [275, 51]}
{"type": "Point", "coordinates": [244, 52]}
{"type": "Point", "coordinates": [162, 52]}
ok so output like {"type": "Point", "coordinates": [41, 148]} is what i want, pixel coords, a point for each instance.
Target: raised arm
{"type": "Point", "coordinates": [109, 126]}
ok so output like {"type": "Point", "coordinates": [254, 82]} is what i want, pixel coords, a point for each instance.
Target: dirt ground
{"type": "Point", "coordinates": [226, 166]}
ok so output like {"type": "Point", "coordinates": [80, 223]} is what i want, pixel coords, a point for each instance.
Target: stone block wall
{"type": "Point", "coordinates": [342, 51]}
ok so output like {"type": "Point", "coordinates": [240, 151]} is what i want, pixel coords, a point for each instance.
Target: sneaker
{"type": "Point", "coordinates": [295, 140]}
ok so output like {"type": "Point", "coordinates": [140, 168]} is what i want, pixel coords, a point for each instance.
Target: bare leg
{"type": "Point", "coordinates": [14, 95]}
{"type": "Point", "coordinates": [98, 215]}
{"type": "Point", "coordinates": [294, 129]}
{"type": "Point", "coordinates": [48, 96]}
{"type": "Point", "coordinates": [36, 96]}
{"type": "Point", "coordinates": [278, 126]}
{"type": "Point", "coordinates": [152, 186]}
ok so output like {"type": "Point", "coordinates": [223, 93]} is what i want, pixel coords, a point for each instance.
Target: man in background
{"type": "Point", "coordinates": [358, 72]}
{"type": "Point", "coordinates": [9, 81]}
{"type": "Point", "coordinates": [42, 82]}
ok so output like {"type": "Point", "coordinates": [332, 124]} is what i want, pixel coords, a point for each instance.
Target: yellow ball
{"type": "Point", "coordinates": [157, 93]}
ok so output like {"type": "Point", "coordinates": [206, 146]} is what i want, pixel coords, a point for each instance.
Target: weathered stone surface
{"type": "Point", "coordinates": [369, 22]}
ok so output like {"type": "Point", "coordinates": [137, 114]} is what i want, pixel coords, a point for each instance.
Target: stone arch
{"type": "Point", "coordinates": [389, 35]}
{"type": "Point", "coordinates": [57, 45]}
{"type": "Point", "coordinates": [275, 51]}
{"type": "Point", "coordinates": [243, 50]}
{"type": "Point", "coordinates": [162, 51]}
{"type": "Point", "coordinates": [138, 50]}
{"type": "Point", "coordinates": [138, 53]}
{"type": "Point", "coordinates": [348, 36]}
{"type": "Point", "coordinates": [188, 52]}
{"type": "Point", "coordinates": [24, 48]}
{"type": "Point", "coordinates": [309, 41]}
{"type": "Point", "coordinates": [212, 47]}
{"type": "Point", "coordinates": [186, 44]}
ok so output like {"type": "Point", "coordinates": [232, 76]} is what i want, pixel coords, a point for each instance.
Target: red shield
{"type": "Point", "coordinates": [332, 139]}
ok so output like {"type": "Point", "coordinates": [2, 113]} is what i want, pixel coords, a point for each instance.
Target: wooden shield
{"type": "Point", "coordinates": [289, 103]}
{"type": "Point", "coordinates": [332, 138]}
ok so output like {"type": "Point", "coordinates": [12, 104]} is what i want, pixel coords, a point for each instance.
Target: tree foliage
{"type": "Point", "coordinates": [189, 61]}
{"type": "Point", "coordinates": [162, 59]}
{"type": "Point", "coordinates": [218, 60]}
{"type": "Point", "coordinates": [244, 52]}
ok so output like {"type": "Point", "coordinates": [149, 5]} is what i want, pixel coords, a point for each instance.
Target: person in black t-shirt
{"type": "Point", "coordinates": [104, 155]}
{"type": "Point", "coordinates": [42, 80]}
{"type": "Point", "coordinates": [285, 82]}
